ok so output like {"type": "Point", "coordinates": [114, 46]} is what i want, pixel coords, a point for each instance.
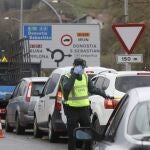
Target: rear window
{"type": "Point", "coordinates": [124, 84]}
{"type": "Point", "coordinates": [37, 86]}
{"type": "Point", "coordinates": [4, 90]}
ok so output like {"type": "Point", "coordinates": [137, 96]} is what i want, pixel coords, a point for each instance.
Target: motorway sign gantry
{"type": "Point", "coordinates": [128, 35]}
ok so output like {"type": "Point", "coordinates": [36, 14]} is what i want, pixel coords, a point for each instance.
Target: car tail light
{"type": "Point", "coordinates": [58, 101]}
{"type": "Point", "coordinates": [110, 103]}
{"type": "Point", "coordinates": [2, 110]}
{"type": "Point", "coordinates": [28, 96]}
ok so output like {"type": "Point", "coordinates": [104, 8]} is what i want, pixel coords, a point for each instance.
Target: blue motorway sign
{"type": "Point", "coordinates": [37, 31]}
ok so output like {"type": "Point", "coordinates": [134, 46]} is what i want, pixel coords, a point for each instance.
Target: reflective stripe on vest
{"type": "Point", "coordinates": [78, 96]}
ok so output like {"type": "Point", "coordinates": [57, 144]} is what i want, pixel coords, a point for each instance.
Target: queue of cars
{"type": "Point", "coordinates": [37, 104]}
{"type": "Point", "coordinates": [49, 114]}
{"type": "Point", "coordinates": [41, 107]}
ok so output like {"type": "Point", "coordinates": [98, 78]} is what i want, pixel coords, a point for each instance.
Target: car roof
{"type": "Point", "coordinates": [124, 73]}
{"type": "Point", "coordinates": [36, 79]}
{"type": "Point", "coordinates": [96, 69]}
{"type": "Point", "coordinates": [142, 94]}
{"type": "Point", "coordinates": [62, 70]}
{"type": "Point", "coordinates": [93, 69]}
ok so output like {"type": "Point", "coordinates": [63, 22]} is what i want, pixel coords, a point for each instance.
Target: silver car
{"type": "Point", "coordinates": [128, 127]}
{"type": "Point", "coordinates": [20, 109]}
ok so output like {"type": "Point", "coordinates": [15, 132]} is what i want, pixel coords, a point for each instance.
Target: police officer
{"type": "Point", "coordinates": [75, 86]}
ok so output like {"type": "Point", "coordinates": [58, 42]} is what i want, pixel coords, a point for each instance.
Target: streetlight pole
{"type": "Point", "coordinates": [21, 17]}
{"type": "Point", "coordinates": [54, 10]}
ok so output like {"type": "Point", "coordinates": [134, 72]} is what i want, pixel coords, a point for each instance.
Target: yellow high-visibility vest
{"type": "Point", "coordinates": [78, 96]}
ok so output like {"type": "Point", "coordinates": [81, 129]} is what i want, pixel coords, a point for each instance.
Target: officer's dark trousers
{"type": "Point", "coordinates": [76, 116]}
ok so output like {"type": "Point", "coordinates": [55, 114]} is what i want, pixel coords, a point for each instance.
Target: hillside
{"type": "Point", "coordinates": [34, 11]}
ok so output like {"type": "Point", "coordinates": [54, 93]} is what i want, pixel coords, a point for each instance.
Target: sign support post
{"type": "Point", "coordinates": [127, 65]}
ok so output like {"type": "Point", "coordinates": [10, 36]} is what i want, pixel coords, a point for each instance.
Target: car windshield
{"type": "Point", "coordinates": [139, 121]}
{"type": "Point", "coordinates": [4, 90]}
{"type": "Point", "coordinates": [126, 83]}
{"type": "Point", "coordinates": [37, 86]}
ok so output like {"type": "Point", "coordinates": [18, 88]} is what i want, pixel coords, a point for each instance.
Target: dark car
{"type": "Point", "coordinates": [128, 127]}
{"type": "Point", "coordinates": [5, 92]}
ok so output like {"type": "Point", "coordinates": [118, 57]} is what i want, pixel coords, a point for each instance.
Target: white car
{"type": "Point", "coordinates": [49, 114]}
{"type": "Point", "coordinates": [114, 84]}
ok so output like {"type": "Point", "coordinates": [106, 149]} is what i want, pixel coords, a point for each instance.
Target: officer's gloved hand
{"type": "Point", "coordinates": [78, 69]}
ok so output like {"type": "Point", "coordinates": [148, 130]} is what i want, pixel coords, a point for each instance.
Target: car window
{"type": "Point", "coordinates": [115, 118]}
{"type": "Point", "coordinates": [37, 86]}
{"type": "Point", "coordinates": [45, 86]}
{"type": "Point", "coordinates": [22, 88]}
{"type": "Point", "coordinates": [6, 90]}
{"type": "Point", "coordinates": [126, 83]}
{"type": "Point", "coordinates": [139, 121]}
{"type": "Point", "coordinates": [106, 84]}
{"type": "Point", "coordinates": [52, 83]}
{"type": "Point", "coordinates": [99, 82]}
{"type": "Point", "coordinates": [16, 90]}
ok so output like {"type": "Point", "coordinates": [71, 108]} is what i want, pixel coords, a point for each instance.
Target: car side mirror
{"type": "Point", "coordinates": [86, 134]}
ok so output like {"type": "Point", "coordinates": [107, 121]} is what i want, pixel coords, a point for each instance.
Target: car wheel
{"type": "Point", "coordinates": [19, 128]}
{"type": "Point", "coordinates": [7, 126]}
{"type": "Point", "coordinates": [36, 132]}
{"type": "Point", "coordinates": [52, 135]}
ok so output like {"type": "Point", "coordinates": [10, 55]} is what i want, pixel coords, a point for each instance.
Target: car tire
{"type": "Point", "coordinates": [52, 135]}
{"type": "Point", "coordinates": [36, 132]}
{"type": "Point", "coordinates": [7, 126]}
{"type": "Point", "coordinates": [19, 128]}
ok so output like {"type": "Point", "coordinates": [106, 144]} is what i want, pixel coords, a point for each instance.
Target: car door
{"type": "Point", "coordinates": [11, 105]}
{"type": "Point", "coordinates": [18, 101]}
{"type": "Point", "coordinates": [111, 135]}
{"type": "Point", "coordinates": [97, 100]}
{"type": "Point", "coordinates": [39, 108]}
{"type": "Point", "coordinates": [50, 96]}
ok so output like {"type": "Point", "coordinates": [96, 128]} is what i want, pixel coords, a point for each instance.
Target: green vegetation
{"type": "Point", "coordinates": [138, 11]}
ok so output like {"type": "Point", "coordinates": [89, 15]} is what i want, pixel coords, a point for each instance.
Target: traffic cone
{"type": "Point", "coordinates": [1, 130]}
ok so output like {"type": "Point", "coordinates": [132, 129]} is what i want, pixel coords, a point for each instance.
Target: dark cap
{"type": "Point", "coordinates": [79, 61]}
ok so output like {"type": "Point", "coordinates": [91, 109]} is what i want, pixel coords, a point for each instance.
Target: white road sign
{"type": "Point", "coordinates": [57, 45]}
{"type": "Point", "coordinates": [132, 58]}
{"type": "Point", "coordinates": [128, 35]}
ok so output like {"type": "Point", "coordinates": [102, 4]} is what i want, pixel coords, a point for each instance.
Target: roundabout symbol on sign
{"type": "Point", "coordinates": [58, 51]}
{"type": "Point", "coordinates": [66, 40]}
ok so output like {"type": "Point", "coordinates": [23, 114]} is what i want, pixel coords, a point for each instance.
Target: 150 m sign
{"type": "Point", "coordinates": [135, 58]}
